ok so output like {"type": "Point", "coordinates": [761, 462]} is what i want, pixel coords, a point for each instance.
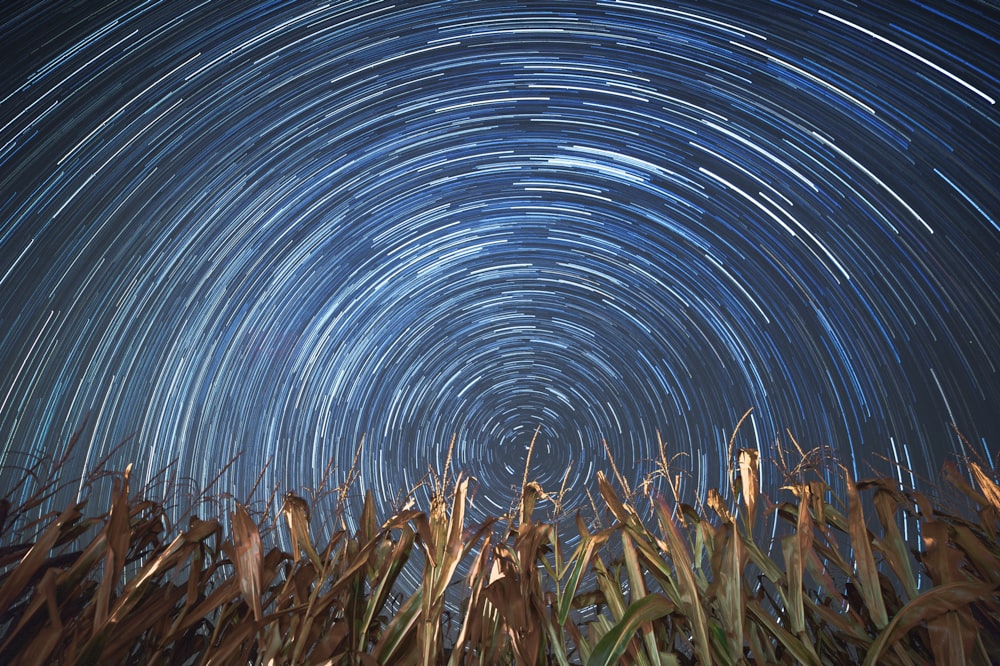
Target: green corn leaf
{"type": "Point", "coordinates": [613, 644]}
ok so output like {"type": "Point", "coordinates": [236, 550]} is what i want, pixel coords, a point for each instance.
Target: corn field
{"type": "Point", "coordinates": [648, 580]}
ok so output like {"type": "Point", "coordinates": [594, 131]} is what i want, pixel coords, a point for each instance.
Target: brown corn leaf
{"type": "Point", "coordinates": [895, 550]}
{"type": "Point", "coordinates": [174, 553]}
{"type": "Point", "coordinates": [953, 636]}
{"type": "Point", "coordinates": [453, 545]}
{"type": "Point", "coordinates": [944, 563]}
{"type": "Point", "coordinates": [636, 584]}
{"type": "Point", "coordinates": [619, 510]}
{"type": "Point", "coordinates": [368, 525]}
{"type": "Point", "coordinates": [16, 581]}
{"type": "Point", "coordinates": [760, 644]}
{"type": "Point", "coordinates": [950, 473]}
{"type": "Point", "coordinates": [749, 466]}
{"type": "Point", "coordinates": [935, 602]}
{"type": "Point", "coordinates": [793, 591]}
{"type": "Point", "coordinates": [985, 561]}
{"type": "Point", "coordinates": [530, 494]}
{"type": "Point", "coordinates": [717, 504]}
{"type": "Point", "coordinates": [37, 649]}
{"type": "Point", "coordinates": [794, 548]}
{"type": "Point", "coordinates": [687, 587]}
{"type": "Point", "coordinates": [611, 587]}
{"type": "Point", "coordinates": [423, 525]}
{"type": "Point", "coordinates": [732, 604]}
{"type": "Point", "coordinates": [118, 537]}
{"type": "Point", "coordinates": [249, 559]}
{"type": "Point", "coordinates": [234, 648]}
{"type": "Point", "coordinates": [473, 630]}
{"type": "Point", "coordinates": [296, 512]}
{"type": "Point", "coordinates": [990, 489]}
{"type": "Point", "coordinates": [864, 561]}
{"type": "Point", "coordinates": [817, 569]}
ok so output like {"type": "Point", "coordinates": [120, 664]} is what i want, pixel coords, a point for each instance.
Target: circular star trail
{"type": "Point", "coordinates": [282, 228]}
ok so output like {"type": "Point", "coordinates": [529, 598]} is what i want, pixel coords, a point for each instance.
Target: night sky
{"type": "Point", "coordinates": [278, 227]}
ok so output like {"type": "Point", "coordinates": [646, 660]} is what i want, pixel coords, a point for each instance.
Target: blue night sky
{"type": "Point", "coordinates": [277, 227]}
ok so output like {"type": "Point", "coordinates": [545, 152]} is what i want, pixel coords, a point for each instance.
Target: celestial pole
{"type": "Point", "coordinates": [279, 228]}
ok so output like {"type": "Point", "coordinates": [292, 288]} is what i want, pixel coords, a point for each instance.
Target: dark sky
{"type": "Point", "coordinates": [276, 227]}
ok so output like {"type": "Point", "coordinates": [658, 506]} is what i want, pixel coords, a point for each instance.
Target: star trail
{"type": "Point", "coordinates": [279, 228]}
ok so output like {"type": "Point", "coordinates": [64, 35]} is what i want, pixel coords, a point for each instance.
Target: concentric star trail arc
{"type": "Point", "coordinates": [282, 228]}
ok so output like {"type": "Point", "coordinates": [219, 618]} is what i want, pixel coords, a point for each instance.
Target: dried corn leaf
{"type": "Point", "coordinates": [249, 559]}
{"type": "Point", "coordinates": [982, 559]}
{"type": "Point", "coordinates": [864, 561]}
{"type": "Point", "coordinates": [943, 563]}
{"type": "Point", "coordinates": [15, 583]}
{"type": "Point", "coordinates": [618, 509]}
{"type": "Point", "coordinates": [728, 574]}
{"type": "Point", "coordinates": [749, 467]}
{"type": "Point", "coordinates": [118, 537]}
{"type": "Point", "coordinates": [934, 603]}
{"type": "Point", "coordinates": [687, 587]}
{"type": "Point", "coordinates": [990, 489]}
{"type": "Point", "coordinates": [894, 550]}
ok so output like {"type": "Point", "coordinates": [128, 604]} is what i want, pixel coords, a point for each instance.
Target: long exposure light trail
{"type": "Point", "coordinates": [282, 227]}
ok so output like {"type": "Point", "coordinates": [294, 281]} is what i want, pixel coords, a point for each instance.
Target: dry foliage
{"type": "Point", "coordinates": [662, 584]}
